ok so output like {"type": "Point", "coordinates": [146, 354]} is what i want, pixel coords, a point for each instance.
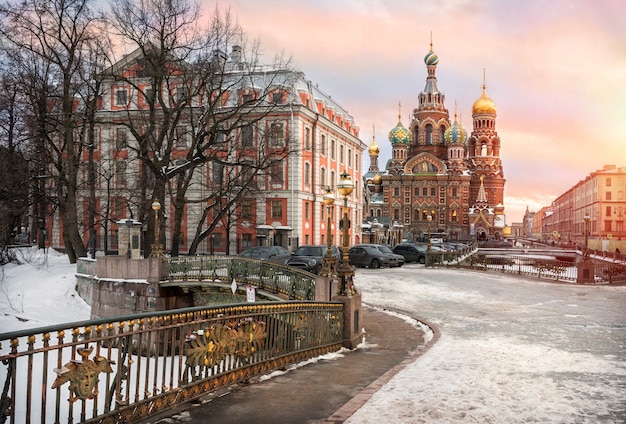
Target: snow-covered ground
{"type": "Point", "coordinates": [512, 350]}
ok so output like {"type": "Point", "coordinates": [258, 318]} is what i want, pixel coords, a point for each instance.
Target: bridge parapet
{"type": "Point", "coordinates": [129, 368]}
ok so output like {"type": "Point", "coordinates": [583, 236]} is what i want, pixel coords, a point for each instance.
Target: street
{"type": "Point", "coordinates": [512, 349]}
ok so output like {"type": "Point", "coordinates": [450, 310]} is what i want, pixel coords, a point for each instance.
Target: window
{"type": "Point", "coordinates": [246, 240]}
{"type": "Point", "coordinates": [120, 138]}
{"type": "Point", "coordinates": [218, 173]}
{"type": "Point", "coordinates": [454, 192]}
{"type": "Point", "coordinates": [356, 161]}
{"type": "Point", "coordinates": [608, 181]}
{"type": "Point", "coordinates": [341, 154]}
{"type": "Point", "coordinates": [307, 138]}
{"type": "Point", "coordinates": [332, 181]}
{"type": "Point", "coordinates": [608, 195]}
{"type": "Point", "coordinates": [181, 137]}
{"type": "Point", "coordinates": [323, 145]}
{"type": "Point", "coordinates": [332, 149]}
{"type": "Point", "coordinates": [121, 97]}
{"type": "Point", "coordinates": [247, 136]}
{"type": "Point", "coordinates": [277, 134]}
{"type": "Point", "coordinates": [120, 173]}
{"type": "Point", "coordinates": [608, 211]}
{"type": "Point", "coordinates": [306, 211]}
{"type": "Point", "coordinates": [246, 209]}
{"type": "Point", "coordinates": [396, 191]}
{"type": "Point", "coordinates": [424, 191]}
{"type": "Point", "coordinates": [349, 158]}
{"type": "Point", "coordinates": [607, 226]}
{"type": "Point", "coordinates": [276, 172]}
{"type": "Point", "coordinates": [218, 240]}
{"type": "Point", "coordinates": [429, 134]}
{"type": "Point", "coordinates": [277, 209]}
{"type": "Point", "coordinates": [119, 207]}
{"type": "Point", "coordinates": [246, 98]}
{"type": "Point", "coordinates": [307, 173]}
{"type": "Point", "coordinates": [277, 98]}
{"type": "Point", "coordinates": [323, 177]}
{"type": "Point", "coordinates": [148, 96]}
{"type": "Point", "coordinates": [433, 191]}
{"type": "Point", "coordinates": [182, 93]}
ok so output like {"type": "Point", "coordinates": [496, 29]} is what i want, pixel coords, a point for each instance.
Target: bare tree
{"type": "Point", "coordinates": [51, 40]}
{"type": "Point", "coordinates": [191, 107]}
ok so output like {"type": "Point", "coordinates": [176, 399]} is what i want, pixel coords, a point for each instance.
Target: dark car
{"type": "Point", "coordinates": [309, 258]}
{"type": "Point", "coordinates": [385, 249]}
{"type": "Point", "coordinates": [411, 252]}
{"type": "Point", "coordinates": [369, 255]}
{"type": "Point", "coordinates": [274, 254]}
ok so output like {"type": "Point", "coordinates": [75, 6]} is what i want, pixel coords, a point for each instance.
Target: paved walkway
{"type": "Point", "coordinates": [328, 391]}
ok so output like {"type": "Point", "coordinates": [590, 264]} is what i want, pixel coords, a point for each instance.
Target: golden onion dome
{"type": "Point", "coordinates": [373, 148]}
{"type": "Point", "coordinates": [484, 105]}
{"type": "Point", "coordinates": [377, 179]}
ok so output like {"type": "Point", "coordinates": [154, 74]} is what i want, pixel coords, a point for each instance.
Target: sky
{"type": "Point", "coordinates": [555, 69]}
{"type": "Point", "coordinates": [552, 354]}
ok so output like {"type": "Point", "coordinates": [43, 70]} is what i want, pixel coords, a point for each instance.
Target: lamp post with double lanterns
{"type": "Point", "coordinates": [428, 218]}
{"type": "Point", "coordinates": [329, 262]}
{"type": "Point", "coordinates": [345, 272]}
{"type": "Point", "coordinates": [587, 219]}
{"type": "Point", "coordinates": [157, 248]}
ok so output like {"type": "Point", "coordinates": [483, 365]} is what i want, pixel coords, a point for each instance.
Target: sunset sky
{"type": "Point", "coordinates": [555, 69]}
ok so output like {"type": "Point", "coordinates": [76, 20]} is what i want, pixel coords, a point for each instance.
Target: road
{"type": "Point", "coordinates": [512, 350]}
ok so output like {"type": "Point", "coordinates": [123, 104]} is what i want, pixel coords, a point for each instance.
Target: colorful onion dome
{"type": "Point", "coordinates": [455, 133]}
{"type": "Point", "coordinates": [399, 134]}
{"type": "Point", "coordinates": [431, 58]}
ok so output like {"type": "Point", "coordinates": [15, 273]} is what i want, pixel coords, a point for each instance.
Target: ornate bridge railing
{"type": "Point", "coordinates": [289, 281]}
{"type": "Point", "coordinates": [123, 370]}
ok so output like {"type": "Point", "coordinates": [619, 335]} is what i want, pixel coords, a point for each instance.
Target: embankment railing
{"type": "Point", "coordinates": [124, 370]}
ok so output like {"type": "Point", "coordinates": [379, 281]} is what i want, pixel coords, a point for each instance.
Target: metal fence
{"type": "Point", "coordinates": [124, 370]}
{"type": "Point", "coordinates": [604, 272]}
{"type": "Point", "coordinates": [289, 281]}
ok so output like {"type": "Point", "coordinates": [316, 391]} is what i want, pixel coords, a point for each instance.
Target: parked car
{"type": "Point", "coordinates": [385, 249]}
{"type": "Point", "coordinates": [309, 258]}
{"type": "Point", "coordinates": [411, 252]}
{"type": "Point", "coordinates": [370, 255]}
{"type": "Point", "coordinates": [274, 254]}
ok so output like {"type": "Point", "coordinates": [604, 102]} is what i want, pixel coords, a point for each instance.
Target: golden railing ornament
{"type": "Point", "coordinates": [82, 375]}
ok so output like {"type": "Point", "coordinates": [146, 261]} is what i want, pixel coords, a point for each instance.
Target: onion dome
{"type": "Point", "coordinates": [377, 179]}
{"type": "Point", "coordinates": [484, 105]}
{"type": "Point", "coordinates": [373, 148]}
{"type": "Point", "coordinates": [431, 58]}
{"type": "Point", "coordinates": [456, 133]}
{"type": "Point", "coordinates": [399, 134]}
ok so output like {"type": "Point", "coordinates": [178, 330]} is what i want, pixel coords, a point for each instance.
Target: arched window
{"type": "Point", "coordinates": [442, 134]}
{"type": "Point", "coordinates": [429, 134]}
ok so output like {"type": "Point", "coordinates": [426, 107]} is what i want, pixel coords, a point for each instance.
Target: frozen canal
{"type": "Point", "coordinates": [512, 350]}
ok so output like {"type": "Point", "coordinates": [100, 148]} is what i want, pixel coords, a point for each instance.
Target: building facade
{"type": "Point", "coordinates": [321, 137]}
{"type": "Point", "coordinates": [601, 198]}
{"type": "Point", "coordinates": [440, 181]}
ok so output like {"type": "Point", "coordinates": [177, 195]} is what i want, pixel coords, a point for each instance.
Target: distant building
{"type": "Point", "coordinates": [601, 197]}
{"type": "Point", "coordinates": [440, 181]}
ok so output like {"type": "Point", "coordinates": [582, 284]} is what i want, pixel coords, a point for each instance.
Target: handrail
{"type": "Point", "coordinates": [127, 369]}
{"type": "Point", "coordinates": [288, 281]}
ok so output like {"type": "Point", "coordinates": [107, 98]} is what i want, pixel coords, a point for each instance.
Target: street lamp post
{"type": "Point", "coordinates": [587, 219]}
{"type": "Point", "coordinates": [428, 218]}
{"type": "Point", "coordinates": [345, 272]}
{"type": "Point", "coordinates": [329, 260]}
{"type": "Point", "coordinates": [157, 248]}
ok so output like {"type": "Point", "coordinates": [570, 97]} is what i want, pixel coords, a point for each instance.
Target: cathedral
{"type": "Point", "coordinates": [440, 182]}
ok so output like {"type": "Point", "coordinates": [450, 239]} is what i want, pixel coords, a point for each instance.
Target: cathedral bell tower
{"type": "Point", "coordinates": [484, 151]}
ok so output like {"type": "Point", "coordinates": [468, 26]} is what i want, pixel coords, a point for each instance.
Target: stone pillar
{"type": "Point", "coordinates": [586, 272]}
{"type": "Point", "coordinates": [325, 288]}
{"type": "Point", "coordinates": [352, 325]}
